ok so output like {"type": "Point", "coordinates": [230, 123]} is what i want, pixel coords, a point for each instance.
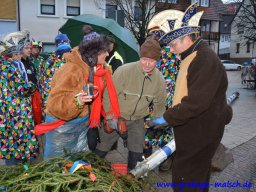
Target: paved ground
{"type": "Point", "coordinates": [239, 137]}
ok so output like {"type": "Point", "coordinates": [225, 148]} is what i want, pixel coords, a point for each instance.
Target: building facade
{"type": "Point", "coordinates": [225, 29]}
{"type": "Point", "coordinates": [8, 22]}
{"type": "Point", "coordinates": [210, 21]}
{"type": "Point", "coordinates": [43, 18]}
{"type": "Point", "coordinates": [241, 49]}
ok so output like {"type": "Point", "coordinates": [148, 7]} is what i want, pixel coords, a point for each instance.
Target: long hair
{"type": "Point", "coordinates": [90, 50]}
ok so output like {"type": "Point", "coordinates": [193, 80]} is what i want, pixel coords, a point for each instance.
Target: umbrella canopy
{"type": "Point", "coordinates": [127, 45]}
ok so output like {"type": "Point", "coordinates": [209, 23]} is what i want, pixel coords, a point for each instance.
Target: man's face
{"type": "Point", "coordinates": [35, 50]}
{"type": "Point", "coordinates": [179, 45]}
{"type": "Point", "coordinates": [17, 56]}
{"type": "Point", "coordinates": [26, 51]}
{"type": "Point", "coordinates": [147, 65]}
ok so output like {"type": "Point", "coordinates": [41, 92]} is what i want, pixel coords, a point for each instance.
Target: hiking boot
{"type": "Point", "coordinates": [166, 165]}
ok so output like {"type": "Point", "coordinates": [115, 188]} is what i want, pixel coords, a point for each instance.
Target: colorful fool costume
{"type": "Point", "coordinates": [52, 65]}
{"type": "Point", "coordinates": [17, 136]}
{"type": "Point", "coordinates": [38, 62]}
{"type": "Point", "coordinates": [169, 67]}
{"type": "Point", "coordinates": [36, 59]}
{"type": "Point", "coordinates": [199, 111]}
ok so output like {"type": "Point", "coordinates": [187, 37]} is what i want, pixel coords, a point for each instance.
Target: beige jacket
{"type": "Point", "coordinates": [136, 91]}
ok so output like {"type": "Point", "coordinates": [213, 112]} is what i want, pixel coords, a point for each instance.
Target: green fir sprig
{"type": "Point", "coordinates": [49, 176]}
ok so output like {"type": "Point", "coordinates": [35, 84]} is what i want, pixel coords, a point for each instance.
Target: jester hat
{"type": "Point", "coordinates": [172, 24]}
{"type": "Point", "coordinates": [15, 42]}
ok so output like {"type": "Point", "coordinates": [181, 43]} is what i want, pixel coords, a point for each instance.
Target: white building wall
{"type": "Point", "coordinates": [224, 41]}
{"type": "Point", "coordinates": [45, 27]}
{"type": "Point", "coordinates": [214, 26]}
{"type": "Point", "coordinates": [243, 47]}
{"type": "Point", "coordinates": [236, 38]}
{"type": "Point", "coordinates": [224, 47]}
{"type": "Point", "coordinates": [7, 26]}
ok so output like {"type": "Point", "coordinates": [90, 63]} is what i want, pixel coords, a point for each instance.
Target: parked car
{"type": "Point", "coordinates": [231, 65]}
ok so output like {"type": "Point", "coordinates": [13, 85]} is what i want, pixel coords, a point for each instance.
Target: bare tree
{"type": "Point", "coordinates": [137, 14]}
{"type": "Point", "coordinates": [245, 20]}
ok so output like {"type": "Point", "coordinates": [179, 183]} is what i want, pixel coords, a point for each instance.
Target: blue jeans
{"type": "Point", "coordinates": [71, 136]}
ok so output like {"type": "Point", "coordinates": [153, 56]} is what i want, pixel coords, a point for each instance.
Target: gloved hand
{"type": "Point", "coordinates": [113, 123]}
{"type": "Point", "coordinates": [156, 123]}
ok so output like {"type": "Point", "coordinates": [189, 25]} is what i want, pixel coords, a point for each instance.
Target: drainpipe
{"type": "Point", "coordinates": [218, 40]}
{"type": "Point", "coordinates": [209, 37]}
{"type": "Point", "coordinates": [18, 14]}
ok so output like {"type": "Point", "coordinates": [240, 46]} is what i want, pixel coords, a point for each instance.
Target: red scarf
{"type": "Point", "coordinates": [97, 105]}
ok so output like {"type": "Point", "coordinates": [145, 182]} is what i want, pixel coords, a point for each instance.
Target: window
{"type": "Point", "coordinates": [161, 1]}
{"type": "Point", "coordinates": [226, 37]}
{"type": "Point", "coordinates": [137, 13]}
{"type": "Point", "coordinates": [171, 1]}
{"type": "Point", "coordinates": [113, 13]}
{"type": "Point", "coordinates": [222, 38]}
{"type": "Point", "coordinates": [47, 7]}
{"type": "Point", "coordinates": [73, 7]}
{"type": "Point", "coordinates": [237, 47]}
{"type": "Point", "coordinates": [204, 3]}
{"type": "Point", "coordinates": [240, 29]}
{"type": "Point", "coordinates": [193, 1]}
{"type": "Point", "coordinates": [229, 38]}
{"type": "Point", "coordinates": [248, 45]}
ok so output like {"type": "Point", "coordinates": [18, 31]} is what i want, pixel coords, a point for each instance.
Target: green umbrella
{"type": "Point", "coordinates": [127, 45]}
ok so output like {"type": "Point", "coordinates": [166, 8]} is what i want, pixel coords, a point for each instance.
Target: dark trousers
{"type": "Point", "coordinates": [191, 169]}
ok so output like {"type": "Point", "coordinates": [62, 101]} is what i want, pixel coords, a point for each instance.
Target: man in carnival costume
{"type": "Point", "coordinates": [37, 60]}
{"type": "Point", "coordinates": [17, 137]}
{"type": "Point", "coordinates": [199, 110]}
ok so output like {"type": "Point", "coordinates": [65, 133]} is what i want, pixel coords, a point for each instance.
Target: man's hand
{"type": "Point", "coordinates": [156, 123]}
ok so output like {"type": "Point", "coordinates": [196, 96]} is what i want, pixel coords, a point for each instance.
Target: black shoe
{"type": "Point", "coordinates": [166, 165]}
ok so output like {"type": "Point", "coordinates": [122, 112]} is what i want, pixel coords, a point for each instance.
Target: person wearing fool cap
{"type": "Point", "coordinates": [36, 58]}
{"type": "Point", "coordinates": [18, 142]}
{"type": "Point", "coordinates": [199, 110]}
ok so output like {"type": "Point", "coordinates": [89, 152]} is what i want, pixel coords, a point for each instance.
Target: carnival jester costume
{"type": "Point", "coordinates": [169, 67]}
{"type": "Point", "coordinates": [50, 67]}
{"type": "Point", "coordinates": [17, 136]}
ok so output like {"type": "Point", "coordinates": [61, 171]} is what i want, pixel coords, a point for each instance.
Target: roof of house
{"type": "Point", "coordinates": [231, 8]}
{"type": "Point", "coordinates": [225, 26]}
{"type": "Point", "coordinates": [210, 13]}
